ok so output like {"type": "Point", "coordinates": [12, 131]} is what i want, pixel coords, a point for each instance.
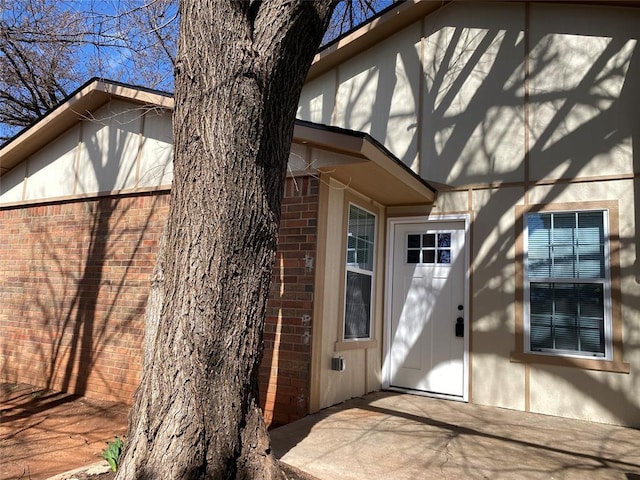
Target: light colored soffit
{"type": "Point", "coordinates": [80, 105]}
{"type": "Point", "coordinates": [364, 165]}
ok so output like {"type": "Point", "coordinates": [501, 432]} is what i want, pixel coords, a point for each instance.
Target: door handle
{"type": "Point", "coordinates": [459, 327]}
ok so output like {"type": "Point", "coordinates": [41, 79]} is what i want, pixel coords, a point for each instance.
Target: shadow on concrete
{"type": "Point", "coordinates": [401, 436]}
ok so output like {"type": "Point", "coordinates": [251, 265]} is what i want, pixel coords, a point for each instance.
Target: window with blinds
{"type": "Point", "coordinates": [359, 274]}
{"type": "Point", "coordinates": [567, 283]}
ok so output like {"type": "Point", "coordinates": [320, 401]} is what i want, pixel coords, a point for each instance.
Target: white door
{"type": "Point", "coordinates": [427, 344]}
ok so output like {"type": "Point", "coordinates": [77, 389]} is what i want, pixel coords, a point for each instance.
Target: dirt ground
{"type": "Point", "coordinates": [43, 433]}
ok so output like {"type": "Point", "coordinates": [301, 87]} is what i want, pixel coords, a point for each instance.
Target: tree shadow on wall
{"type": "Point", "coordinates": [87, 277]}
{"type": "Point", "coordinates": [572, 127]}
{"type": "Point", "coordinates": [502, 128]}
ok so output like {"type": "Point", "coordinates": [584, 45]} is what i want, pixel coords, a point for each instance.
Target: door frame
{"type": "Point", "coordinates": [433, 220]}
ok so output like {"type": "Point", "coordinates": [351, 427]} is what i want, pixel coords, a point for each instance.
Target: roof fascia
{"type": "Point", "coordinates": [79, 105]}
{"type": "Point", "coordinates": [328, 138]}
{"type": "Point", "coordinates": [394, 19]}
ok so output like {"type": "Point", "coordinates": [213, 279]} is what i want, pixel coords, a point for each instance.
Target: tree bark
{"type": "Point", "coordinates": [239, 72]}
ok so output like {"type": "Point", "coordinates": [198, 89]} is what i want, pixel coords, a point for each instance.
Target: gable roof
{"type": "Point", "coordinates": [78, 105]}
{"type": "Point", "coordinates": [362, 162]}
{"type": "Point", "coordinates": [379, 174]}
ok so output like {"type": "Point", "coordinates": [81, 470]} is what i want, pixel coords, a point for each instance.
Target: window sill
{"type": "Point", "coordinates": [615, 366]}
{"type": "Point", "coordinates": [354, 345]}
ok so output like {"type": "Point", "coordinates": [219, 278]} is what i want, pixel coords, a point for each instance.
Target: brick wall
{"type": "Point", "coordinates": [286, 365]}
{"type": "Point", "coordinates": [75, 278]}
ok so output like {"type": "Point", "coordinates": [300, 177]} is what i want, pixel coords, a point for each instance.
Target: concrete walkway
{"type": "Point", "coordinates": [397, 436]}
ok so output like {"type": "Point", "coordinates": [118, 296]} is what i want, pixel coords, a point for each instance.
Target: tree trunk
{"type": "Point", "coordinates": [239, 73]}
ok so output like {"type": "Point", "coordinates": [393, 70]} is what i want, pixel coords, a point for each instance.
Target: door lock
{"type": "Point", "coordinates": [460, 327]}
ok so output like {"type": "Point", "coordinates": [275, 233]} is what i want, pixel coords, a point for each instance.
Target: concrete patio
{"type": "Point", "coordinates": [399, 436]}
{"type": "Point", "coordinates": [382, 435]}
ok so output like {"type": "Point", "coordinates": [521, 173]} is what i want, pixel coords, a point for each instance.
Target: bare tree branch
{"type": "Point", "coordinates": [50, 47]}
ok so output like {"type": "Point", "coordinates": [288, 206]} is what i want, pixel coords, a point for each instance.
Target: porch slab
{"type": "Point", "coordinates": [401, 436]}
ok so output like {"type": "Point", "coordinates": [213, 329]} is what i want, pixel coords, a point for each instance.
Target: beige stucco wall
{"type": "Point", "coordinates": [11, 184]}
{"type": "Point", "coordinates": [53, 179]}
{"type": "Point", "coordinates": [317, 99]}
{"type": "Point", "coordinates": [582, 91]}
{"type": "Point", "coordinates": [119, 147]}
{"type": "Point", "coordinates": [156, 150]}
{"type": "Point", "coordinates": [498, 118]}
{"type": "Point", "coordinates": [378, 93]}
{"type": "Point", "coordinates": [600, 396]}
{"type": "Point", "coordinates": [362, 373]}
{"type": "Point", "coordinates": [108, 149]}
{"type": "Point", "coordinates": [472, 94]}
{"type": "Point", "coordinates": [495, 380]}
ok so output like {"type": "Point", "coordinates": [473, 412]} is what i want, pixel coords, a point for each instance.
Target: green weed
{"type": "Point", "coordinates": [112, 453]}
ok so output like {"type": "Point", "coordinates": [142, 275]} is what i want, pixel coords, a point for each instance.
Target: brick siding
{"type": "Point", "coordinates": [75, 279]}
{"type": "Point", "coordinates": [75, 282]}
{"type": "Point", "coordinates": [286, 365]}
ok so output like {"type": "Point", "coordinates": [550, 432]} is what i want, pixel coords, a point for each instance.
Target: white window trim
{"type": "Point", "coordinates": [608, 321]}
{"type": "Point", "coordinates": [371, 273]}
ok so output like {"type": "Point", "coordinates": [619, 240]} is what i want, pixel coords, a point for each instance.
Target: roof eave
{"type": "Point", "coordinates": [372, 163]}
{"type": "Point", "coordinates": [88, 98]}
{"type": "Point", "coordinates": [394, 19]}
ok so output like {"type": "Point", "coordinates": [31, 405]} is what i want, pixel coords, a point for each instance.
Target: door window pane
{"type": "Point", "coordinates": [429, 248]}
{"type": "Point", "coordinates": [429, 240]}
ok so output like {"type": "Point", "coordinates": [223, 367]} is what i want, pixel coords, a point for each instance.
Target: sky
{"type": "Point", "coordinates": [131, 41]}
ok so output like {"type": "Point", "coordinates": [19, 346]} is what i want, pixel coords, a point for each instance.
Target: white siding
{"type": "Point", "coordinates": [110, 143]}
{"type": "Point", "coordinates": [156, 154]}
{"type": "Point", "coordinates": [12, 184]}
{"type": "Point", "coordinates": [51, 171]}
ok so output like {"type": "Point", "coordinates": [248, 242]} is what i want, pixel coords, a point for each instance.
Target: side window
{"type": "Point", "coordinates": [567, 284]}
{"type": "Point", "coordinates": [361, 233]}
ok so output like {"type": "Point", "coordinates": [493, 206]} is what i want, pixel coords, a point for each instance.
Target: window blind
{"type": "Point", "coordinates": [567, 278]}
